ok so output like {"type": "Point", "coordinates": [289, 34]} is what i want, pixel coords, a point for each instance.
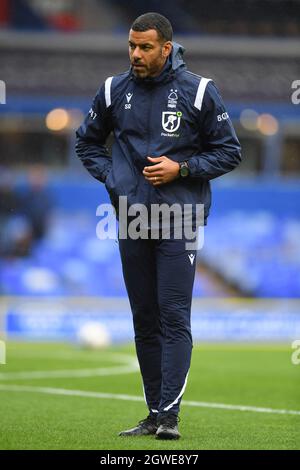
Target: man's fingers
{"type": "Point", "coordinates": [157, 159]}
{"type": "Point", "coordinates": [154, 180]}
{"type": "Point", "coordinates": [158, 164]}
{"type": "Point", "coordinates": [152, 169]}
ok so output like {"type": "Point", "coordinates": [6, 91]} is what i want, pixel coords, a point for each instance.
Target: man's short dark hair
{"type": "Point", "coordinates": [154, 21]}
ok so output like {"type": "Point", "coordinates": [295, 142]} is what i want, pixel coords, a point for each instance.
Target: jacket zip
{"type": "Point", "coordinates": [149, 124]}
{"type": "Point", "coordinates": [149, 143]}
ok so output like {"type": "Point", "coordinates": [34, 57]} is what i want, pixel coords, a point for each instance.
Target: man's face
{"type": "Point", "coordinates": [147, 53]}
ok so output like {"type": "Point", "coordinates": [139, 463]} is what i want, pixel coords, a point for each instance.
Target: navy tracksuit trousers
{"type": "Point", "coordinates": [159, 276]}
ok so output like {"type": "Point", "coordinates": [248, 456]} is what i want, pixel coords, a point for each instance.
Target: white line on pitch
{"type": "Point", "coordinates": [131, 366]}
{"type": "Point", "coordinates": [82, 356]}
{"type": "Point", "coordinates": [67, 373]}
{"type": "Point", "coordinates": [112, 396]}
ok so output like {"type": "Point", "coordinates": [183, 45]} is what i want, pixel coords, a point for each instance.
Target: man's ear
{"type": "Point", "coordinates": [167, 49]}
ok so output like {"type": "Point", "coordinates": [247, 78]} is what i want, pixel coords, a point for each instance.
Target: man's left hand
{"type": "Point", "coordinates": [164, 170]}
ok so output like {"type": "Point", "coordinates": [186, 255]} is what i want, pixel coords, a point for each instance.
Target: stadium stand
{"type": "Point", "coordinates": [256, 252]}
{"type": "Point", "coordinates": [56, 56]}
{"type": "Point", "coordinates": [227, 17]}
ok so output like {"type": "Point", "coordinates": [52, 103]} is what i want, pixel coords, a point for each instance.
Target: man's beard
{"type": "Point", "coordinates": [139, 70]}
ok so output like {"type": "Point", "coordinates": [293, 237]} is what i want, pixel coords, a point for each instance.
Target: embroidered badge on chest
{"type": "Point", "coordinates": [172, 98]}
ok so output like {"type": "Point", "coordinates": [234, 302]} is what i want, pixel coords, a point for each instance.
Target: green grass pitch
{"type": "Point", "coordinates": [57, 396]}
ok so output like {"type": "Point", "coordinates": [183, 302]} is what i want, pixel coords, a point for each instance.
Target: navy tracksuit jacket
{"type": "Point", "coordinates": [180, 115]}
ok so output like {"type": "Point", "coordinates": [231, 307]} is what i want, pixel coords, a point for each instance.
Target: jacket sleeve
{"type": "Point", "coordinates": [91, 138]}
{"type": "Point", "coordinates": [221, 150]}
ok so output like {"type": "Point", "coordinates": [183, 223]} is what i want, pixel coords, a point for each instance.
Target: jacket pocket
{"type": "Point", "coordinates": [110, 188]}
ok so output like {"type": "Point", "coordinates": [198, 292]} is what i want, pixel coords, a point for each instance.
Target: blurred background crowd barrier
{"type": "Point", "coordinates": [54, 272]}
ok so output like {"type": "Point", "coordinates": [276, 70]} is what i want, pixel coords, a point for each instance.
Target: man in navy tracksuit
{"type": "Point", "coordinates": [172, 135]}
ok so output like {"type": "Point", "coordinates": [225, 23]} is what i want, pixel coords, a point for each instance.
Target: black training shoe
{"type": "Point", "coordinates": [168, 427]}
{"type": "Point", "coordinates": [145, 427]}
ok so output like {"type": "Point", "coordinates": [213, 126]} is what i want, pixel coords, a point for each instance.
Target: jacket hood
{"type": "Point", "coordinates": [176, 56]}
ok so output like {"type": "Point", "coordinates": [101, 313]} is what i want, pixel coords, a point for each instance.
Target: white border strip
{"type": "Point", "coordinates": [108, 91]}
{"type": "Point", "coordinates": [112, 396]}
{"type": "Point", "coordinates": [200, 92]}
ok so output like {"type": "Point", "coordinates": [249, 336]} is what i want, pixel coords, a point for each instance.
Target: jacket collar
{"type": "Point", "coordinates": [174, 63]}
